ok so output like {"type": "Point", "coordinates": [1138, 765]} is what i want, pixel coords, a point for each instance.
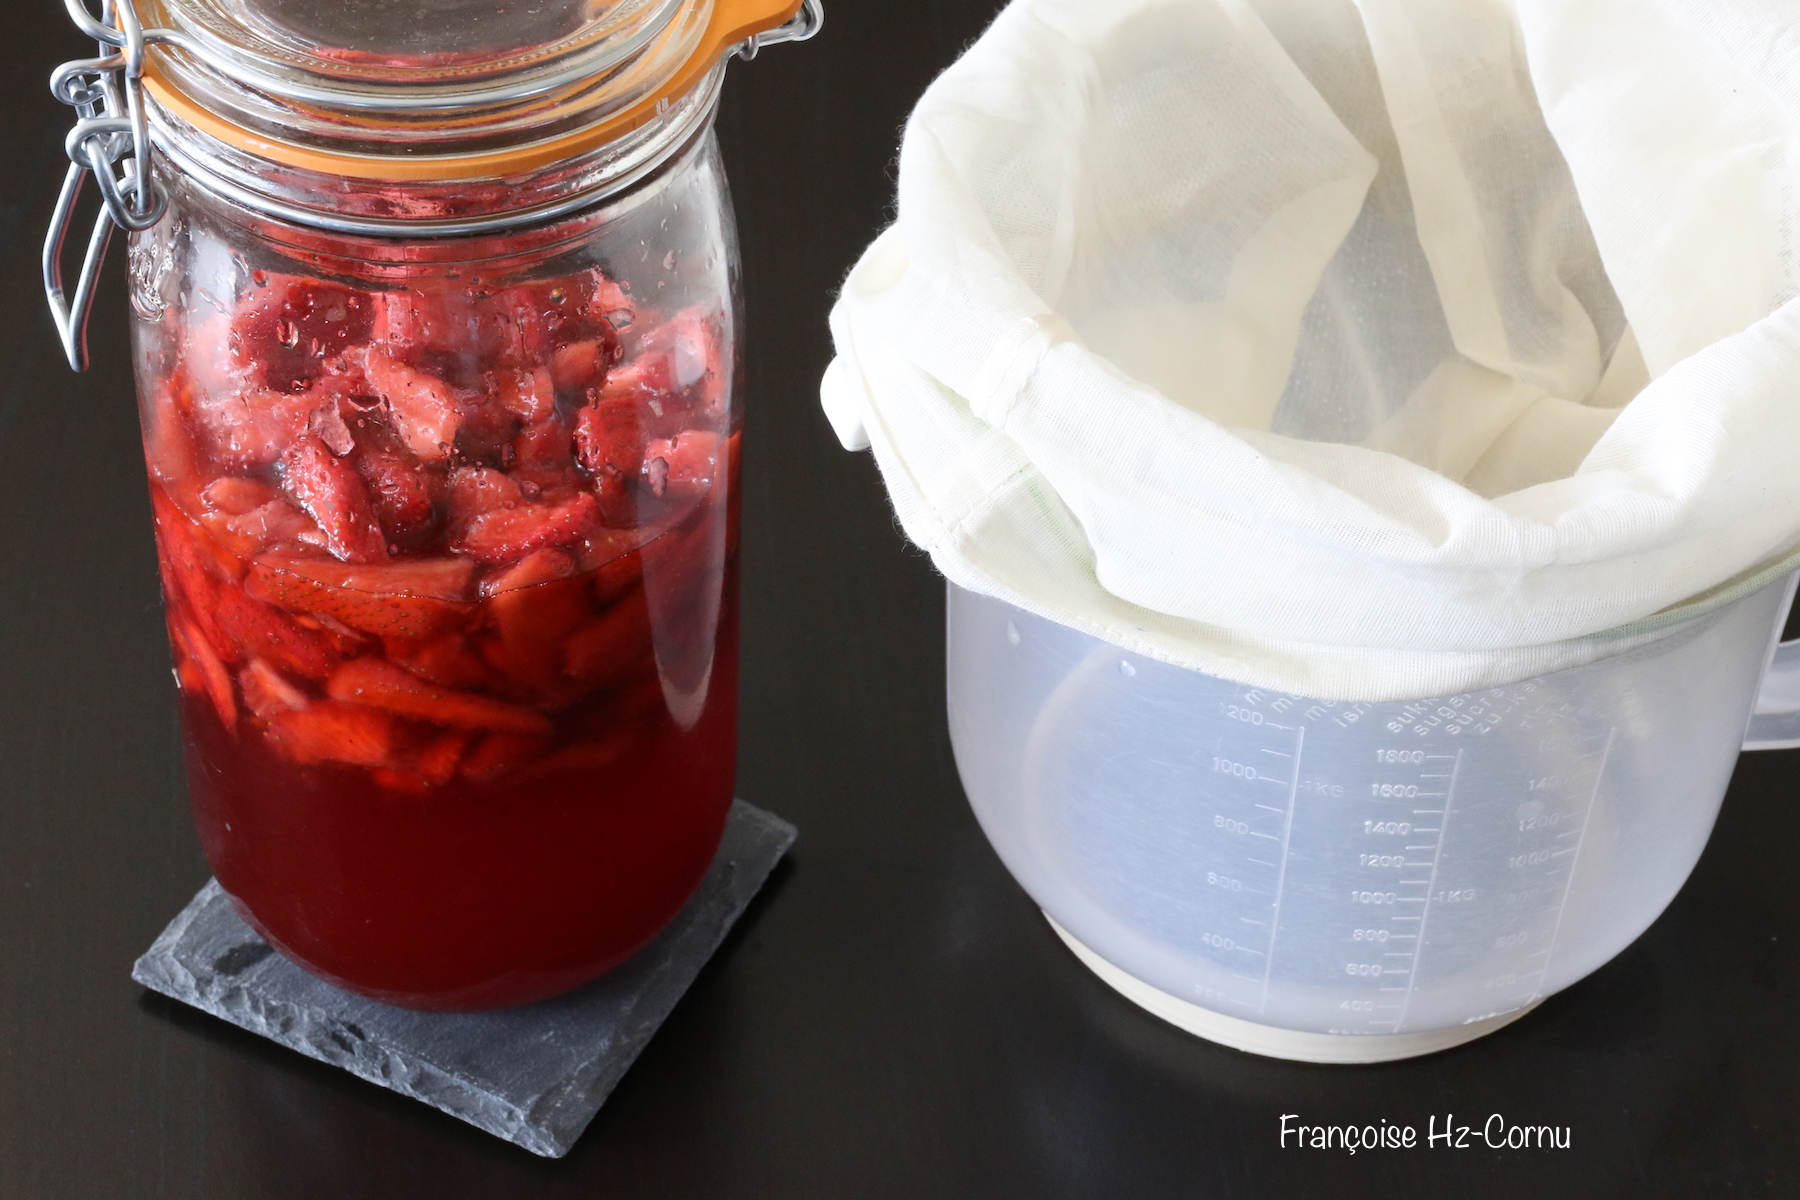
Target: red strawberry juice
{"type": "Point", "coordinates": [450, 578]}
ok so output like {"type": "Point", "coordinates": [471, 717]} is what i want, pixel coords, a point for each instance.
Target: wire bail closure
{"type": "Point", "coordinates": [801, 26]}
{"type": "Point", "coordinates": [110, 141]}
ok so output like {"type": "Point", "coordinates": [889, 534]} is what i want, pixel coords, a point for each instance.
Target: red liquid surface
{"type": "Point", "coordinates": [457, 647]}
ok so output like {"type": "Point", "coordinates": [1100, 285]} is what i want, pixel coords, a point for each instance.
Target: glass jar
{"type": "Point", "coordinates": [435, 342]}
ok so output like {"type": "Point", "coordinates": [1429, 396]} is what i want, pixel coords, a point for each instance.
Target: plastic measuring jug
{"type": "Point", "coordinates": [1351, 882]}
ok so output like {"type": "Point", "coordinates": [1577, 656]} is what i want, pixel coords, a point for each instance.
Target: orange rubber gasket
{"type": "Point", "coordinates": [732, 21]}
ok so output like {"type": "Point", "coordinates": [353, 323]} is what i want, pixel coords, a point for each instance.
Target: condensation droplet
{"type": "Point", "coordinates": [1126, 669]}
{"type": "Point", "coordinates": [1012, 633]}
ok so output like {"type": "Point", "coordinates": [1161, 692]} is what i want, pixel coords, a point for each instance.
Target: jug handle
{"type": "Point", "coordinates": [1775, 723]}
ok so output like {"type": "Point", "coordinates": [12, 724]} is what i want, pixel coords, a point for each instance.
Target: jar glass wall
{"type": "Point", "coordinates": [448, 540]}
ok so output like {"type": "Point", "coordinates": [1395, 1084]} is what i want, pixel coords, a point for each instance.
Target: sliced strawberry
{"type": "Point", "coordinates": [380, 684]}
{"type": "Point", "coordinates": [345, 641]}
{"type": "Point", "coordinates": [605, 648]}
{"type": "Point", "coordinates": [411, 600]}
{"type": "Point", "coordinates": [332, 493]}
{"type": "Point", "coordinates": [249, 428]}
{"type": "Point", "coordinates": [212, 673]}
{"type": "Point", "coordinates": [689, 461]}
{"type": "Point", "coordinates": [609, 436]}
{"type": "Point", "coordinates": [258, 630]}
{"type": "Point", "coordinates": [617, 576]}
{"type": "Point", "coordinates": [326, 423]}
{"type": "Point", "coordinates": [431, 321]}
{"type": "Point", "coordinates": [529, 395]}
{"type": "Point", "coordinates": [286, 327]}
{"type": "Point", "coordinates": [532, 623]}
{"type": "Point", "coordinates": [447, 661]}
{"type": "Point", "coordinates": [275, 523]}
{"type": "Point", "coordinates": [425, 410]}
{"type": "Point", "coordinates": [266, 693]}
{"type": "Point", "coordinates": [543, 454]}
{"type": "Point", "coordinates": [169, 450]}
{"type": "Point", "coordinates": [579, 366]}
{"type": "Point", "coordinates": [588, 755]}
{"type": "Point", "coordinates": [235, 495]}
{"type": "Point", "coordinates": [496, 754]}
{"type": "Point", "coordinates": [437, 762]}
{"type": "Point", "coordinates": [610, 302]}
{"type": "Point", "coordinates": [476, 490]}
{"type": "Point", "coordinates": [535, 319]}
{"type": "Point", "coordinates": [398, 485]}
{"type": "Point", "coordinates": [540, 566]}
{"type": "Point", "coordinates": [330, 731]}
{"type": "Point", "coordinates": [508, 534]}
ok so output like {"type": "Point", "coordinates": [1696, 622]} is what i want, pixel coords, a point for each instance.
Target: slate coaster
{"type": "Point", "coordinates": [534, 1076]}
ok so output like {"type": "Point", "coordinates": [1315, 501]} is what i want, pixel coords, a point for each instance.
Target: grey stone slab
{"type": "Point", "coordinates": [534, 1076]}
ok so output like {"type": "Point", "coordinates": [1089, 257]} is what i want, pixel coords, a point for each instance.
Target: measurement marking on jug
{"type": "Point", "coordinates": [1287, 830]}
{"type": "Point", "coordinates": [1430, 882]}
{"type": "Point", "coordinates": [1574, 862]}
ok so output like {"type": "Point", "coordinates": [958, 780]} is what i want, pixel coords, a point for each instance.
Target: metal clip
{"type": "Point", "coordinates": [797, 28]}
{"type": "Point", "coordinates": [112, 142]}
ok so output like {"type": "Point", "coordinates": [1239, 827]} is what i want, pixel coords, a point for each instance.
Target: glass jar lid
{"type": "Point", "coordinates": [377, 116]}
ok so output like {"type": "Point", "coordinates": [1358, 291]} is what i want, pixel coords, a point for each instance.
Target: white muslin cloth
{"type": "Point", "coordinates": [1359, 349]}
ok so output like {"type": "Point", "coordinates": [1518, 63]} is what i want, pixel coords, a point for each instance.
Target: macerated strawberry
{"type": "Point", "coordinates": [508, 534]}
{"type": "Point", "coordinates": [258, 630]}
{"type": "Point", "coordinates": [331, 731]}
{"type": "Point", "coordinates": [195, 649]}
{"type": "Point", "coordinates": [476, 490]}
{"type": "Point", "coordinates": [412, 600]}
{"type": "Point", "coordinates": [538, 318]}
{"type": "Point", "coordinates": [424, 409]}
{"type": "Point", "coordinates": [532, 623]}
{"type": "Point", "coordinates": [529, 395]}
{"type": "Point", "coordinates": [540, 566]}
{"type": "Point", "coordinates": [497, 753]}
{"type": "Point", "coordinates": [603, 649]}
{"type": "Point", "coordinates": [375, 682]}
{"type": "Point", "coordinates": [610, 302]}
{"type": "Point", "coordinates": [286, 327]}
{"type": "Point", "coordinates": [616, 576]}
{"type": "Point", "coordinates": [588, 755]}
{"type": "Point", "coordinates": [245, 429]}
{"type": "Point", "coordinates": [430, 321]}
{"type": "Point", "coordinates": [345, 641]}
{"type": "Point", "coordinates": [266, 693]}
{"type": "Point", "coordinates": [447, 661]}
{"type": "Point", "coordinates": [579, 366]}
{"type": "Point", "coordinates": [398, 487]}
{"type": "Point", "coordinates": [326, 423]}
{"type": "Point", "coordinates": [690, 460]}
{"type": "Point", "coordinates": [235, 495]}
{"type": "Point", "coordinates": [609, 437]}
{"type": "Point", "coordinates": [332, 493]}
{"type": "Point", "coordinates": [275, 523]}
{"type": "Point", "coordinates": [436, 763]}
{"type": "Point", "coordinates": [543, 454]}
{"type": "Point", "coordinates": [169, 450]}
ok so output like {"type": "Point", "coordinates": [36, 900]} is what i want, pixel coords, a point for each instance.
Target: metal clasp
{"type": "Point", "coordinates": [111, 141]}
{"type": "Point", "coordinates": [797, 28]}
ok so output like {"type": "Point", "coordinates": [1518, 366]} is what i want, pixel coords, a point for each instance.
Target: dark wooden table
{"type": "Point", "coordinates": [893, 1018]}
